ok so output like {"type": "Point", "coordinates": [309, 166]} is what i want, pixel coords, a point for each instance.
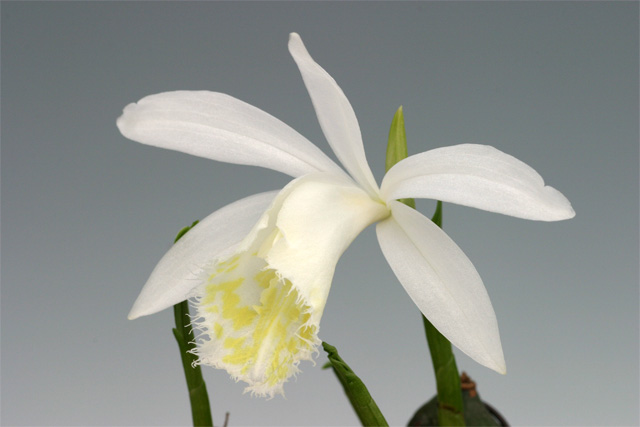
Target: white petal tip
{"type": "Point", "coordinates": [501, 369]}
{"type": "Point", "coordinates": [125, 123]}
{"type": "Point", "coordinates": [294, 37]}
{"type": "Point", "coordinates": [498, 365]}
{"type": "Point", "coordinates": [144, 309]}
{"type": "Point", "coordinates": [133, 314]}
{"type": "Point", "coordinates": [558, 206]}
{"type": "Point", "coordinates": [570, 213]}
{"type": "Point", "coordinates": [296, 44]}
{"type": "Point", "coordinates": [139, 310]}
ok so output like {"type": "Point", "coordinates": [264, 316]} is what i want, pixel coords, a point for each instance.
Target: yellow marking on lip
{"type": "Point", "coordinates": [241, 316]}
{"type": "Point", "coordinates": [278, 335]}
{"type": "Point", "coordinates": [226, 266]}
{"type": "Point", "coordinates": [264, 278]}
{"type": "Point", "coordinates": [231, 342]}
{"type": "Point", "coordinates": [264, 338]}
{"type": "Point", "coordinates": [217, 328]}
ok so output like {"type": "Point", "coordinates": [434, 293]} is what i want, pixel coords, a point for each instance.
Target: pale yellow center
{"type": "Point", "coordinates": [260, 323]}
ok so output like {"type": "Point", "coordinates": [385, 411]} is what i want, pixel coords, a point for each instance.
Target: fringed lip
{"type": "Point", "coordinates": [259, 310]}
{"type": "Point", "coordinates": [254, 324]}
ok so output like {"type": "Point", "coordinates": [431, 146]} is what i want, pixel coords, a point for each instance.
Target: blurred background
{"type": "Point", "coordinates": [86, 213]}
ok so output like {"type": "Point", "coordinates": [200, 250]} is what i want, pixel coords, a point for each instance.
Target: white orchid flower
{"type": "Point", "coordinates": [260, 269]}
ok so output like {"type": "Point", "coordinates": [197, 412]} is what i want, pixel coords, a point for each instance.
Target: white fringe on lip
{"type": "Point", "coordinates": [249, 323]}
{"type": "Point", "coordinates": [258, 370]}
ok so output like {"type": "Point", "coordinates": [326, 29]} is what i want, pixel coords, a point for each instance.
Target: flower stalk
{"type": "Point", "coordinates": [198, 396]}
{"type": "Point", "coordinates": [363, 404]}
{"type": "Point", "coordinates": [450, 407]}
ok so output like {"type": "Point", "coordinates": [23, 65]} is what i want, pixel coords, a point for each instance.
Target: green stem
{"type": "Point", "coordinates": [450, 407]}
{"type": "Point", "coordinates": [198, 396]}
{"type": "Point", "coordinates": [363, 404]}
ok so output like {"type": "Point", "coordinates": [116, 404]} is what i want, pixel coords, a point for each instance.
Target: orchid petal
{"type": "Point", "coordinates": [180, 269]}
{"type": "Point", "coordinates": [335, 114]}
{"type": "Point", "coordinates": [442, 282]}
{"type": "Point", "coordinates": [479, 176]}
{"type": "Point", "coordinates": [261, 306]}
{"type": "Point", "coordinates": [219, 127]}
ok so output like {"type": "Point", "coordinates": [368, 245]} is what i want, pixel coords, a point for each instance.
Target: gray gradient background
{"type": "Point", "coordinates": [86, 214]}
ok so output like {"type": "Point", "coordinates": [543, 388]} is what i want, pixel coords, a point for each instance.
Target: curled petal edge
{"type": "Point", "coordinates": [478, 176]}
{"type": "Point", "coordinates": [220, 127]}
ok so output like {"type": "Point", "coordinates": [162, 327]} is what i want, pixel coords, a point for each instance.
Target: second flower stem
{"type": "Point", "coordinates": [198, 396]}
{"type": "Point", "coordinates": [450, 407]}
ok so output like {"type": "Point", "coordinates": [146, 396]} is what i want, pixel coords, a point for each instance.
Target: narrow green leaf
{"type": "Point", "coordinates": [444, 363]}
{"type": "Point", "coordinates": [361, 401]}
{"type": "Point", "coordinates": [198, 396]}
{"type": "Point", "coordinates": [397, 147]}
{"type": "Point", "coordinates": [437, 215]}
{"type": "Point", "coordinates": [184, 230]}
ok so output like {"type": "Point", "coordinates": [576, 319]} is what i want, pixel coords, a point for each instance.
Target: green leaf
{"type": "Point", "coordinates": [184, 230]}
{"type": "Point", "coordinates": [397, 147]}
{"type": "Point", "coordinates": [437, 215]}
{"type": "Point", "coordinates": [198, 396]}
{"type": "Point", "coordinates": [361, 401]}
